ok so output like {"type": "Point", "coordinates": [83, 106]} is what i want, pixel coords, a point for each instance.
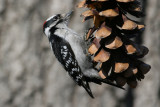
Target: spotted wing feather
{"type": "Point", "coordinates": [66, 57]}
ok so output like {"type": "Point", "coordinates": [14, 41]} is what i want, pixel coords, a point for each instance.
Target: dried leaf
{"type": "Point", "coordinates": [138, 9]}
{"type": "Point", "coordinates": [120, 67]}
{"type": "Point", "coordinates": [102, 75]}
{"type": "Point", "coordinates": [129, 25]}
{"type": "Point", "coordinates": [87, 13]}
{"type": "Point", "coordinates": [96, 42]}
{"type": "Point", "coordinates": [94, 5]}
{"type": "Point", "coordinates": [140, 26]}
{"type": "Point", "coordinates": [125, 1]}
{"type": "Point", "coordinates": [109, 13]}
{"type": "Point", "coordinates": [98, 21]}
{"type": "Point", "coordinates": [90, 32]}
{"type": "Point", "coordinates": [116, 43]}
{"type": "Point", "coordinates": [87, 18]}
{"type": "Point", "coordinates": [93, 49]}
{"type": "Point", "coordinates": [81, 4]}
{"type": "Point", "coordinates": [102, 56]}
{"type": "Point", "coordinates": [133, 48]}
{"type": "Point", "coordinates": [103, 32]}
{"type": "Point", "coordinates": [135, 70]}
{"type": "Point", "coordinates": [130, 49]}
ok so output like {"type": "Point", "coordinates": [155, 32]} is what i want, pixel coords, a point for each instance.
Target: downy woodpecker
{"type": "Point", "coordinates": [69, 48]}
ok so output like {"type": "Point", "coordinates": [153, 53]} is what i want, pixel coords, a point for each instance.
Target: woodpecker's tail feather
{"type": "Point", "coordinates": [111, 83]}
{"type": "Point", "coordinates": [87, 88]}
{"type": "Point", "coordinates": [99, 80]}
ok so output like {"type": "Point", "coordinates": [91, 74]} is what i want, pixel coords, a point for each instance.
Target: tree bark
{"type": "Point", "coordinates": [148, 92]}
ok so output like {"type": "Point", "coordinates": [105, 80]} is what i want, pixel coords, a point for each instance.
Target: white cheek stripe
{"type": "Point", "coordinates": [47, 32]}
{"type": "Point", "coordinates": [50, 17]}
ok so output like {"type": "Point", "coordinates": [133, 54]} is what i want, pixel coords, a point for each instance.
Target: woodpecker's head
{"type": "Point", "coordinates": [53, 21]}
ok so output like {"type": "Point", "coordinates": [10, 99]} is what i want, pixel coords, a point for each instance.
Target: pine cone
{"type": "Point", "coordinates": [116, 56]}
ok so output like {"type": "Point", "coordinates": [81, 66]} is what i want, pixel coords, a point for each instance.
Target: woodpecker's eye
{"type": "Point", "coordinates": [56, 17]}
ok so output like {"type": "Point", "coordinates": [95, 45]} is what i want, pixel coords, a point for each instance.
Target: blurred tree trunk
{"type": "Point", "coordinates": [30, 76]}
{"type": "Point", "coordinates": [148, 92]}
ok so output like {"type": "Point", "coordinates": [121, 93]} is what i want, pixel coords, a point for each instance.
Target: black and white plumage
{"type": "Point", "coordinates": [68, 48]}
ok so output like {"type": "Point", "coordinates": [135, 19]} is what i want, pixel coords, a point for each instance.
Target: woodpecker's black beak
{"type": "Point", "coordinates": [67, 16]}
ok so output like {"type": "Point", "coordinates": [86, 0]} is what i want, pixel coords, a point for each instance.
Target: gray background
{"type": "Point", "coordinates": [30, 76]}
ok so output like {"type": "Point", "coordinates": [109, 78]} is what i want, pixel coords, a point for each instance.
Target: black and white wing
{"type": "Point", "coordinates": [66, 57]}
